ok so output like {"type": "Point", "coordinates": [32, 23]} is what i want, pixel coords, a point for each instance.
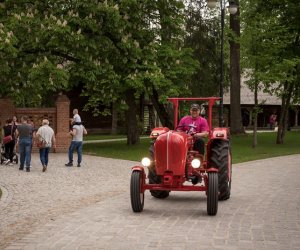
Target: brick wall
{"type": "Point", "coordinates": [58, 117]}
{"type": "Point", "coordinates": [7, 110]}
{"type": "Point", "coordinates": [63, 123]}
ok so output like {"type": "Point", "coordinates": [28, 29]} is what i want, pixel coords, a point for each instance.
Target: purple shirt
{"type": "Point", "coordinates": [199, 123]}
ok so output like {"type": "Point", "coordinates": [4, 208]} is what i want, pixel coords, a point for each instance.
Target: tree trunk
{"type": "Point", "coordinates": [151, 117]}
{"type": "Point", "coordinates": [282, 124]}
{"type": "Point", "coordinates": [114, 122]}
{"type": "Point", "coordinates": [163, 114]}
{"type": "Point", "coordinates": [254, 142]}
{"type": "Point", "coordinates": [236, 126]}
{"type": "Point", "coordinates": [131, 115]}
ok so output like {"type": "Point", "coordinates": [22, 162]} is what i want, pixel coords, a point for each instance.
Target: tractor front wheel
{"type": "Point", "coordinates": [136, 194]}
{"type": "Point", "coordinates": [212, 194]}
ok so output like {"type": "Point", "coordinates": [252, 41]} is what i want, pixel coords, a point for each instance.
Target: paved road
{"type": "Point", "coordinates": [89, 208]}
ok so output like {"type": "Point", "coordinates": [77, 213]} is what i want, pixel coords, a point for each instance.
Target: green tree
{"type": "Point", "coordinates": [118, 50]}
{"type": "Point", "coordinates": [203, 35]}
{"type": "Point", "coordinates": [278, 62]}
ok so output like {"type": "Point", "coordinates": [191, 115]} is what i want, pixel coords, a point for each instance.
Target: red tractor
{"type": "Point", "coordinates": [173, 165]}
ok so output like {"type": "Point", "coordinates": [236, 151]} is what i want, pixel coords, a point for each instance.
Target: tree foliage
{"type": "Point", "coordinates": [203, 35]}
{"type": "Point", "coordinates": [272, 48]}
{"type": "Point", "coordinates": [117, 49]}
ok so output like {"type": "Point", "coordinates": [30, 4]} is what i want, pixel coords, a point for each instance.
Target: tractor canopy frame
{"type": "Point", "coordinates": [211, 101]}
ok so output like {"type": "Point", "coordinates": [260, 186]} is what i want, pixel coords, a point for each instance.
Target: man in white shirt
{"type": "Point", "coordinates": [77, 132]}
{"type": "Point", "coordinates": [45, 133]}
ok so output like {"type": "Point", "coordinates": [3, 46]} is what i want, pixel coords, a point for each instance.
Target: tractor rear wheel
{"type": "Point", "coordinates": [154, 179]}
{"type": "Point", "coordinates": [221, 159]}
{"type": "Point", "coordinates": [212, 193]}
{"type": "Point", "coordinates": [136, 194]}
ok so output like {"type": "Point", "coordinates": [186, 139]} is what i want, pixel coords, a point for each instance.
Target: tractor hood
{"type": "Point", "coordinates": [170, 152]}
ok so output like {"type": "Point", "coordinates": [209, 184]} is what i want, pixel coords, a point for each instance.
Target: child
{"type": "Point", "coordinates": [76, 117]}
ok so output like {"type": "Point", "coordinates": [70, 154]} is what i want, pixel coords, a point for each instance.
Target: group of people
{"type": "Point", "coordinates": [24, 136]}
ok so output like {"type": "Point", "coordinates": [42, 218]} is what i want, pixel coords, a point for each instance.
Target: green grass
{"type": "Point", "coordinates": [266, 146]}
{"type": "Point", "coordinates": [90, 137]}
{"type": "Point", "coordinates": [241, 147]}
{"type": "Point", "coordinates": [118, 149]}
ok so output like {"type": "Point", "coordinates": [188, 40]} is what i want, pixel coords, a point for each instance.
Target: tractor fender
{"type": "Point", "coordinates": [220, 133]}
{"type": "Point", "coordinates": [158, 131]}
{"type": "Point", "coordinates": [210, 170]}
{"type": "Point", "coordinates": [141, 170]}
{"type": "Point", "coordinates": [138, 168]}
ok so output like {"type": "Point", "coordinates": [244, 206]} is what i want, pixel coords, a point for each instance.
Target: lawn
{"type": "Point", "coordinates": [241, 147]}
{"type": "Point", "coordinates": [266, 146]}
{"type": "Point", "coordinates": [91, 137]}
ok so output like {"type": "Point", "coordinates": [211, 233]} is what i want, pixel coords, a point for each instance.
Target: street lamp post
{"type": "Point", "coordinates": [232, 10]}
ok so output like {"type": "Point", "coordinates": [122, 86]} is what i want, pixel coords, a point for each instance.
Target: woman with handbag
{"type": "Point", "coordinates": [45, 139]}
{"type": "Point", "coordinates": [9, 141]}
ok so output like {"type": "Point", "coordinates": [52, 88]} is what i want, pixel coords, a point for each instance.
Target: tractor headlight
{"type": "Point", "coordinates": [196, 163]}
{"type": "Point", "coordinates": [146, 162]}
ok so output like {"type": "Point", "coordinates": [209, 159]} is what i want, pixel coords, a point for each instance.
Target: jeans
{"type": "Point", "coordinates": [78, 146]}
{"type": "Point", "coordinates": [44, 152]}
{"type": "Point", "coordinates": [25, 151]}
{"type": "Point", "coordinates": [199, 145]}
{"type": "Point", "coordinates": [9, 150]}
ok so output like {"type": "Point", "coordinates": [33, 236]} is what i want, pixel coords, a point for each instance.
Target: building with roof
{"type": "Point", "coordinates": [268, 103]}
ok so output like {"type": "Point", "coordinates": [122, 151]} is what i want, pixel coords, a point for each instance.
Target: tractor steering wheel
{"type": "Point", "coordinates": [189, 131]}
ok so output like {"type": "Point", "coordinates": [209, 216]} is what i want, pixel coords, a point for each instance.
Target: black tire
{"type": "Point", "coordinates": [154, 179]}
{"type": "Point", "coordinates": [136, 196]}
{"type": "Point", "coordinates": [221, 159]}
{"type": "Point", "coordinates": [212, 194]}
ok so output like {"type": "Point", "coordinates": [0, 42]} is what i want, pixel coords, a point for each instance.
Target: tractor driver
{"type": "Point", "coordinates": [197, 125]}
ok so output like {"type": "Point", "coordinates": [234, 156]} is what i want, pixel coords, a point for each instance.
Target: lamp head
{"type": "Point", "coordinates": [232, 8]}
{"type": "Point", "coordinates": [211, 3]}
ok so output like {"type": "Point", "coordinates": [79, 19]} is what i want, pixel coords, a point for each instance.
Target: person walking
{"type": "Point", "coordinates": [9, 129]}
{"type": "Point", "coordinates": [24, 141]}
{"type": "Point", "coordinates": [245, 120]}
{"type": "Point", "coordinates": [32, 133]}
{"type": "Point", "coordinates": [45, 133]}
{"type": "Point", "coordinates": [77, 133]}
{"type": "Point", "coordinates": [272, 120]}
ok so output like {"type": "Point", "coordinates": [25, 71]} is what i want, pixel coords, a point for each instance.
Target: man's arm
{"type": "Point", "coordinates": [181, 125]}
{"type": "Point", "coordinates": [84, 131]}
{"type": "Point", "coordinates": [204, 128]}
{"type": "Point", "coordinates": [202, 134]}
{"type": "Point", "coordinates": [54, 141]}
{"type": "Point", "coordinates": [17, 133]}
{"type": "Point", "coordinates": [73, 132]}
